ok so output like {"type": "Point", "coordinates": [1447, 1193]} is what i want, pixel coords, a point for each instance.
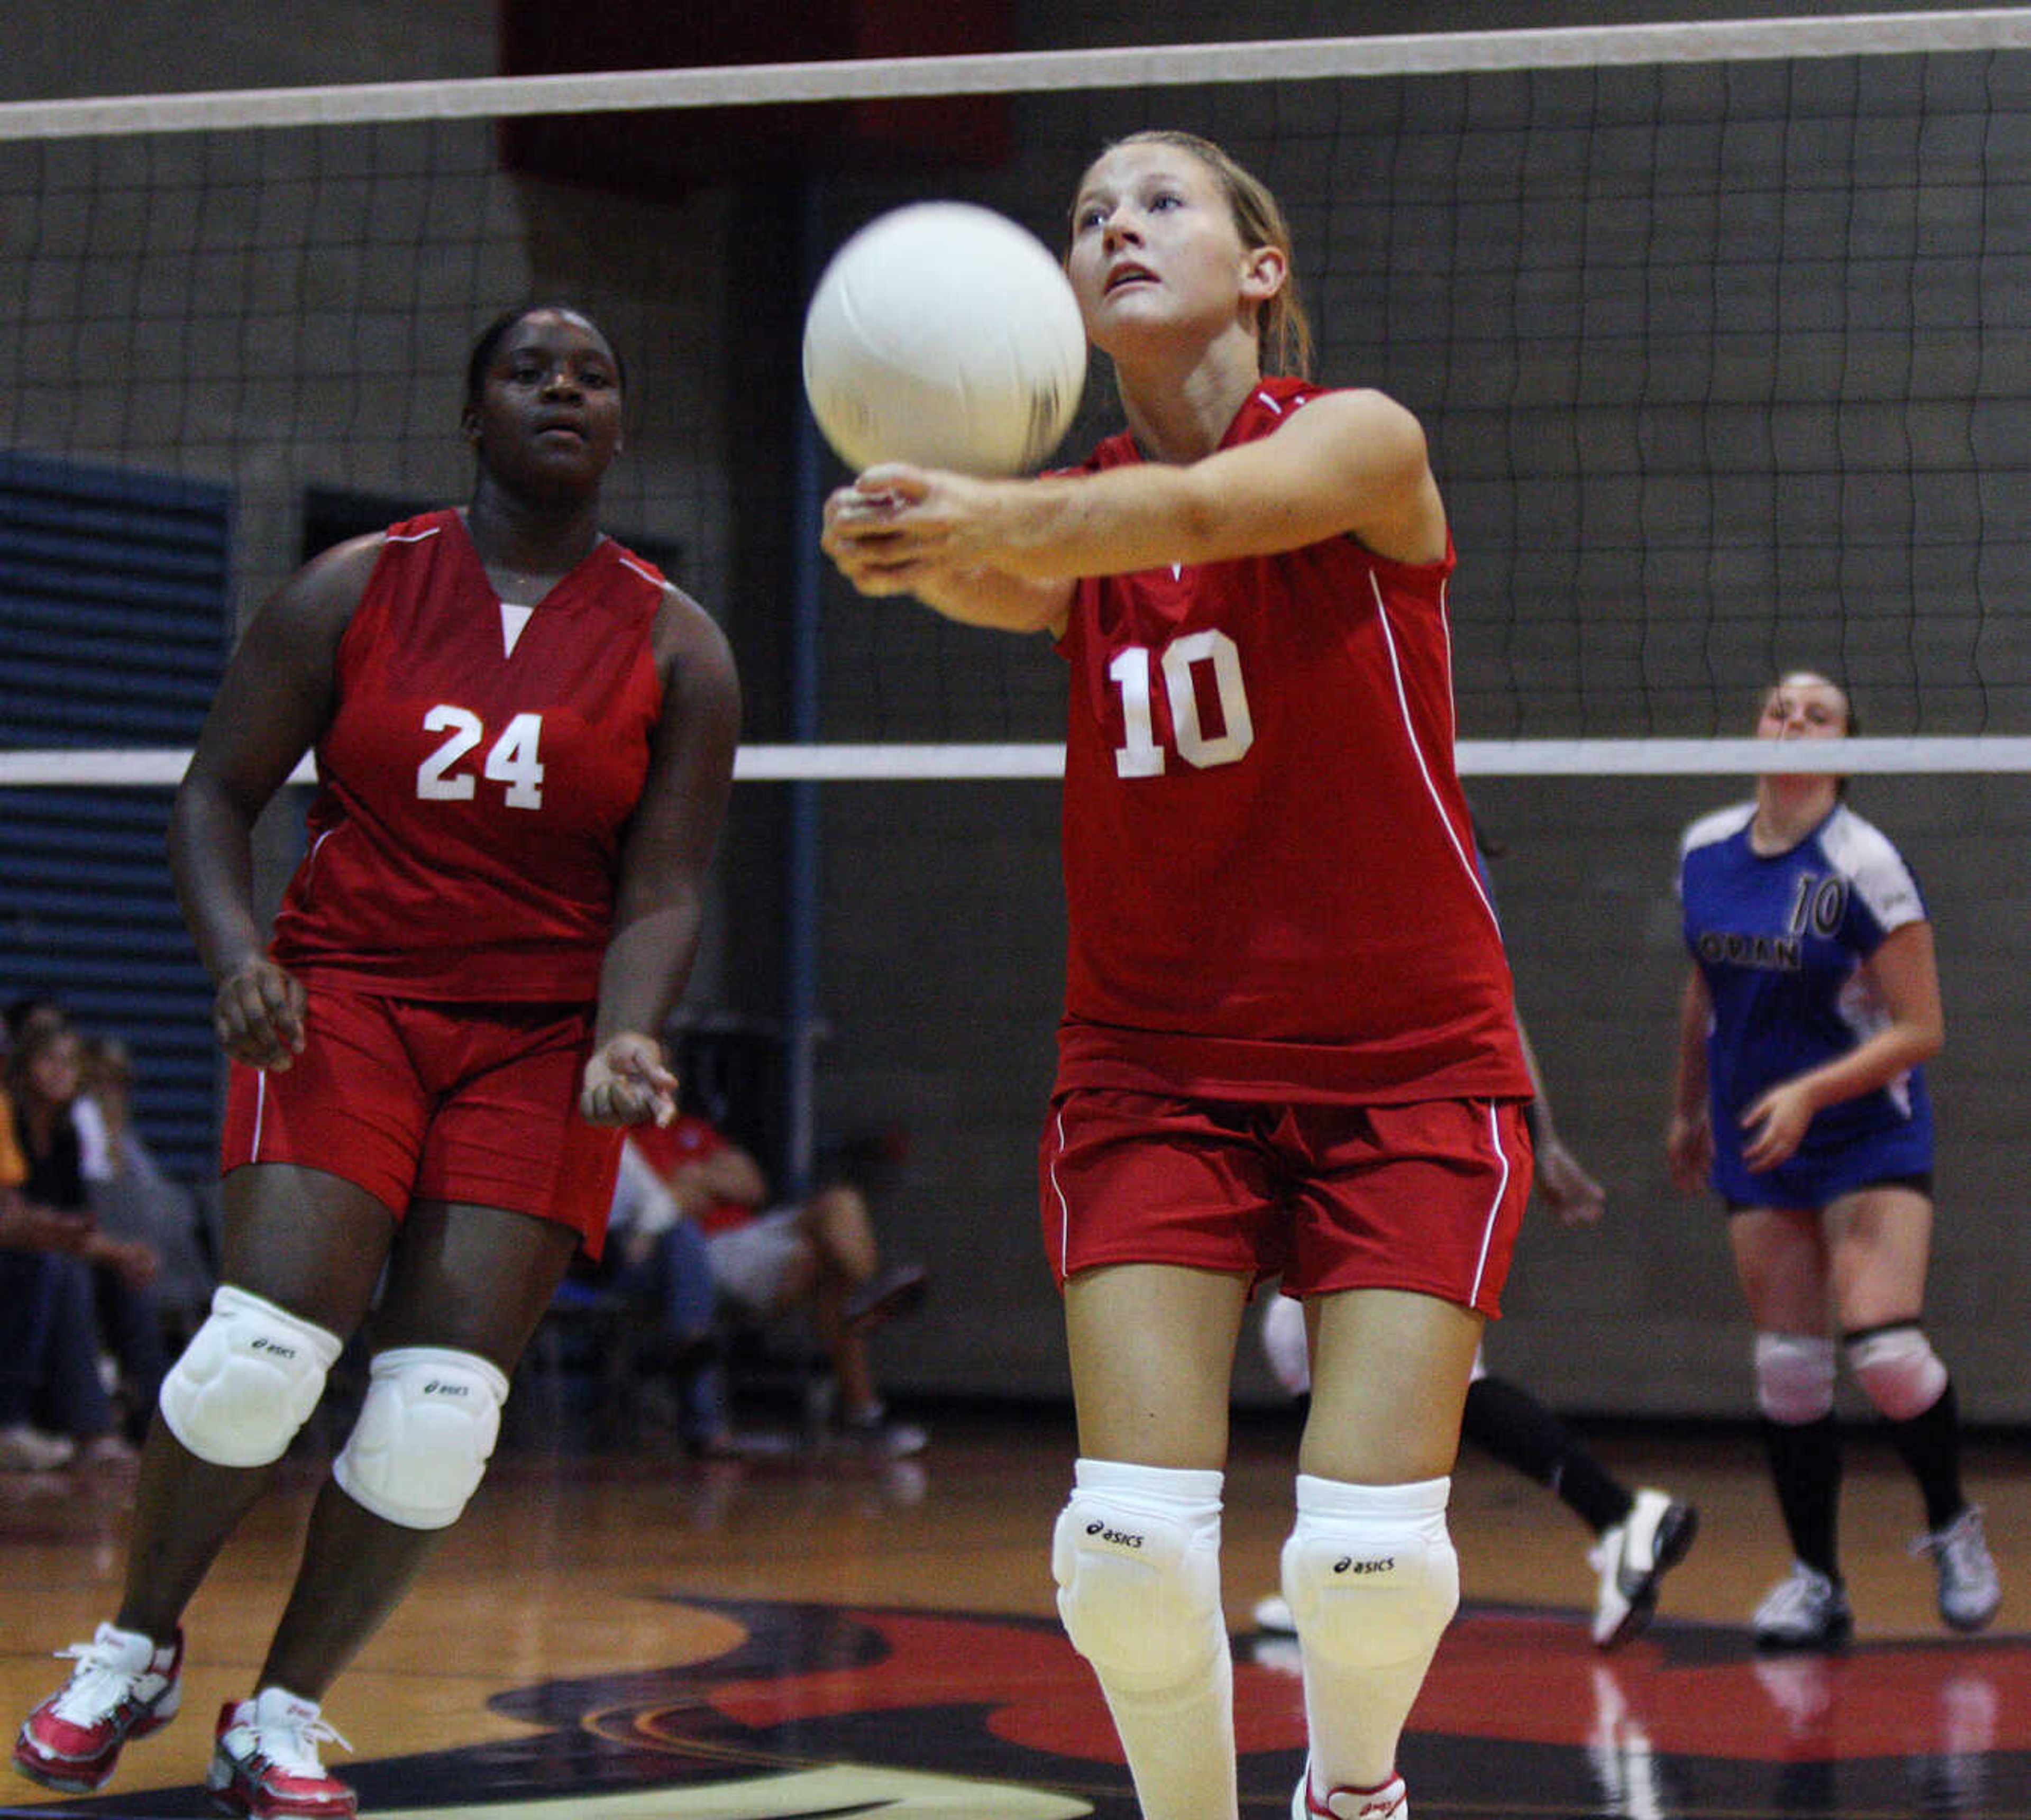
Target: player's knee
{"type": "Point", "coordinates": [844, 1232]}
{"type": "Point", "coordinates": [247, 1380]}
{"type": "Point", "coordinates": [1794, 1377]}
{"type": "Point", "coordinates": [1370, 1572]}
{"type": "Point", "coordinates": [1897, 1369]}
{"type": "Point", "coordinates": [425, 1434]}
{"type": "Point", "coordinates": [1136, 1561]}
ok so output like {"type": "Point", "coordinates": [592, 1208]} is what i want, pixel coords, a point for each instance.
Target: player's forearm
{"type": "Point", "coordinates": [648, 963]}
{"type": "Point", "coordinates": [1689, 1088]}
{"type": "Point", "coordinates": [1115, 522]}
{"type": "Point", "coordinates": [999, 601]}
{"type": "Point", "coordinates": [211, 860]}
{"type": "Point", "coordinates": [1889, 1054]}
{"type": "Point", "coordinates": [1689, 1077]}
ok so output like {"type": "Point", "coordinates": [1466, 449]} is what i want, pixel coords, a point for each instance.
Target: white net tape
{"type": "Point", "coordinates": [871, 761]}
{"type": "Point", "coordinates": [891, 79]}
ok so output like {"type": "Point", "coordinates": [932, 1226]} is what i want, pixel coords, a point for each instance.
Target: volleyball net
{"type": "Point", "coordinates": [1718, 331]}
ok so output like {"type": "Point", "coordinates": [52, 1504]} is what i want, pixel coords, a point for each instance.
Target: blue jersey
{"type": "Point", "coordinates": [1780, 939]}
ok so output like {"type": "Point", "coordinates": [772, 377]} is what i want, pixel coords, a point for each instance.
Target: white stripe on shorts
{"type": "Point", "coordinates": [1495, 1207]}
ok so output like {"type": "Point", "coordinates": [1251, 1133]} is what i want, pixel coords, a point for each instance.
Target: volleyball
{"type": "Point", "coordinates": [944, 335]}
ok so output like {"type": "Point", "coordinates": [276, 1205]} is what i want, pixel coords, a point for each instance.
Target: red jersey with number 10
{"type": "Point", "coordinates": [1270, 872]}
{"type": "Point", "coordinates": [477, 776]}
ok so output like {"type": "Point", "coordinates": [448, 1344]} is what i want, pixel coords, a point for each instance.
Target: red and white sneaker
{"type": "Point", "coordinates": [265, 1764]}
{"type": "Point", "coordinates": [1388, 1803]}
{"type": "Point", "coordinates": [123, 1686]}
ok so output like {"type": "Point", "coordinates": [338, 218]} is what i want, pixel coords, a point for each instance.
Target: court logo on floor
{"type": "Point", "coordinates": [819, 1712]}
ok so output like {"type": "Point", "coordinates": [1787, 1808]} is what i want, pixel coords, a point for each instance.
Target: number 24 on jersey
{"type": "Point", "coordinates": [511, 759]}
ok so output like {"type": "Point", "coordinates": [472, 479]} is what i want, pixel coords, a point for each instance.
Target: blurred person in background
{"type": "Point", "coordinates": [27, 1232]}
{"type": "Point", "coordinates": [64, 1279]}
{"type": "Point", "coordinates": [134, 1200]}
{"type": "Point", "coordinates": [820, 1255]}
{"type": "Point", "coordinates": [1639, 1535]}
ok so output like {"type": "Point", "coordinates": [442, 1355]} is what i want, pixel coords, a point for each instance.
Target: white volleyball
{"type": "Point", "coordinates": [945, 335]}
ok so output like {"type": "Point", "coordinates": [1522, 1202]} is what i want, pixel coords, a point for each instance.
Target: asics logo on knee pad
{"type": "Point", "coordinates": [1382, 1563]}
{"type": "Point", "coordinates": [1120, 1538]}
{"type": "Point", "coordinates": [425, 1434]}
{"type": "Point", "coordinates": [247, 1382]}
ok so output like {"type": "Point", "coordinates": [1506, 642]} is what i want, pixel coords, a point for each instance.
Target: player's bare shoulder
{"type": "Point", "coordinates": [1374, 422]}
{"type": "Point", "coordinates": [1371, 453]}
{"type": "Point", "coordinates": [311, 611]}
{"type": "Point", "coordinates": [692, 653]}
{"type": "Point", "coordinates": [342, 572]}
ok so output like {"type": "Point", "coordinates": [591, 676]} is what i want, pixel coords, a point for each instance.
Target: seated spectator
{"type": "Point", "coordinates": [44, 1076]}
{"type": "Point", "coordinates": [133, 1199]}
{"type": "Point", "coordinates": [655, 1262]}
{"type": "Point", "coordinates": [48, 1355]}
{"type": "Point", "coordinates": [24, 1231]}
{"type": "Point", "coordinates": [820, 1255]}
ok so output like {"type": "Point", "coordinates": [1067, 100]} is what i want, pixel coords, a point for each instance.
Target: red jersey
{"type": "Point", "coordinates": [688, 1138]}
{"type": "Point", "coordinates": [1269, 871]}
{"type": "Point", "coordinates": [476, 779]}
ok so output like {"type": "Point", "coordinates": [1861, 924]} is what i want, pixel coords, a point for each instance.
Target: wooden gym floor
{"type": "Point", "coordinates": [624, 1634]}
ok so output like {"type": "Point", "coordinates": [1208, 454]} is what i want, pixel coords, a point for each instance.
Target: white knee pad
{"type": "Point", "coordinates": [1794, 1377]}
{"type": "Point", "coordinates": [1136, 1556]}
{"type": "Point", "coordinates": [247, 1382]}
{"type": "Point", "coordinates": [424, 1435]}
{"type": "Point", "coordinates": [1898, 1369]}
{"type": "Point", "coordinates": [1370, 1572]}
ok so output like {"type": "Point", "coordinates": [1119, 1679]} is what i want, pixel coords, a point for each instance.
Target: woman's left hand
{"type": "Point", "coordinates": [258, 1015]}
{"type": "Point", "coordinates": [627, 1082]}
{"type": "Point", "coordinates": [1776, 1125]}
{"type": "Point", "coordinates": [896, 525]}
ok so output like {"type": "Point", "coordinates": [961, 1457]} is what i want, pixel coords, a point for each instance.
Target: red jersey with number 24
{"type": "Point", "coordinates": [1270, 870]}
{"type": "Point", "coordinates": [476, 777]}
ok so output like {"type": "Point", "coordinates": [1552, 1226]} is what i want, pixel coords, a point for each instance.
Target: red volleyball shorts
{"type": "Point", "coordinates": [1425, 1197]}
{"type": "Point", "coordinates": [414, 1101]}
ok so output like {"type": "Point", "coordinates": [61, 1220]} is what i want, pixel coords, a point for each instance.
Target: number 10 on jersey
{"type": "Point", "coordinates": [1132, 671]}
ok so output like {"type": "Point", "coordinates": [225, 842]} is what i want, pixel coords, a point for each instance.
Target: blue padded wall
{"type": "Point", "coordinates": [114, 625]}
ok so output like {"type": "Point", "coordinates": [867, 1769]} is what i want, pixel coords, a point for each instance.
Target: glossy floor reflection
{"type": "Point", "coordinates": [625, 1636]}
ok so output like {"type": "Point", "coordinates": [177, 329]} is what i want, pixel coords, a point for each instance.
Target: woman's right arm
{"type": "Point", "coordinates": [1689, 1138]}
{"type": "Point", "coordinates": [272, 706]}
{"type": "Point", "coordinates": [986, 597]}
{"type": "Point", "coordinates": [1349, 463]}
